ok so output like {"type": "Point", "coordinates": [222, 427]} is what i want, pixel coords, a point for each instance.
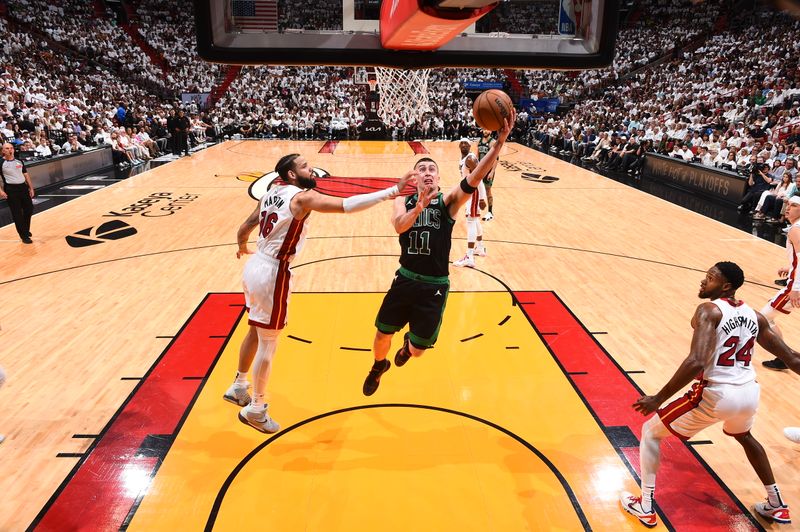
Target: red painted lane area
{"type": "Point", "coordinates": [329, 146]}
{"type": "Point", "coordinates": [689, 495]}
{"type": "Point", "coordinates": [100, 492]}
{"type": "Point", "coordinates": [344, 187]}
{"type": "Point", "coordinates": [418, 147]}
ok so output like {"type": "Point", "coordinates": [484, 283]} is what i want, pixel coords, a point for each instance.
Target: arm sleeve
{"type": "Point", "coordinates": [365, 201]}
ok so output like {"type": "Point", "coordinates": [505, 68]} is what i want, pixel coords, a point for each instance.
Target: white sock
{"type": "Point", "coordinates": [241, 378]}
{"type": "Point", "coordinates": [262, 365]}
{"type": "Point", "coordinates": [774, 495]}
{"type": "Point", "coordinates": [648, 496]}
{"type": "Point", "coordinates": [653, 431]}
{"type": "Point", "coordinates": [472, 236]}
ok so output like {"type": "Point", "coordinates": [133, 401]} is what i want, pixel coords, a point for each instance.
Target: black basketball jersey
{"type": "Point", "coordinates": [483, 148]}
{"type": "Point", "coordinates": [425, 247]}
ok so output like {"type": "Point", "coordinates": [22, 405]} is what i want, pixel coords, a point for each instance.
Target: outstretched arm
{"type": "Point", "coordinates": [775, 344]}
{"type": "Point", "coordinates": [458, 196]}
{"type": "Point", "coordinates": [243, 235]}
{"type": "Point", "coordinates": [704, 340]}
{"type": "Point", "coordinates": [311, 200]}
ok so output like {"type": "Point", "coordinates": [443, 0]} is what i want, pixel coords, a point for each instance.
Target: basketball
{"type": "Point", "coordinates": [491, 108]}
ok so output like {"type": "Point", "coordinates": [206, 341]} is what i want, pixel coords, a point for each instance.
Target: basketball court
{"type": "Point", "coordinates": [120, 341]}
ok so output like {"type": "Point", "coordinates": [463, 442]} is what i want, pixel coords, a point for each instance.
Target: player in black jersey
{"type": "Point", "coordinates": [484, 145]}
{"type": "Point", "coordinates": [418, 294]}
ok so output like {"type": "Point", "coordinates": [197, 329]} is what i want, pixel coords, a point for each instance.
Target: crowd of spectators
{"type": "Point", "coordinates": [662, 26]}
{"type": "Point", "coordinates": [293, 15]}
{"type": "Point", "coordinates": [735, 111]}
{"type": "Point", "coordinates": [74, 25]}
{"type": "Point", "coordinates": [535, 18]}
{"type": "Point", "coordinates": [169, 28]}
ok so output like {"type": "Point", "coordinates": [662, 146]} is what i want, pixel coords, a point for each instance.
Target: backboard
{"type": "Point", "coordinates": [552, 34]}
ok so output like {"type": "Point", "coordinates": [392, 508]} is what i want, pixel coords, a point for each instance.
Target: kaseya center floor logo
{"type": "Point", "coordinates": [156, 205]}
{"type": "Point", "coordinates": [113, 230]}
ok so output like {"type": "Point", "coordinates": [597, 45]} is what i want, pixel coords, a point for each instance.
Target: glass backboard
{"type": "Point", "coordinates": [557, 34]}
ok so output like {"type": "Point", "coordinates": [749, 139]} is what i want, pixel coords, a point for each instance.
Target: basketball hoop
{"type": "Point", "coordinates": [404, 93]}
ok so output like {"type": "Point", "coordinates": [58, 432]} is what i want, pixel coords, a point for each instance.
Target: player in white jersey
{"type": "Point", "coordinates": [725, 330]}
{"type": "Point", "coordinates": [789, 294]}
{"type": "Point", "coordinates": [475, 204]}
{"type": "Point", "coordinates": [281, 217]}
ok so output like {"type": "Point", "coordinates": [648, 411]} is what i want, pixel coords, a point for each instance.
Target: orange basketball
{"type": "Point", "coordinates": [491, 108]}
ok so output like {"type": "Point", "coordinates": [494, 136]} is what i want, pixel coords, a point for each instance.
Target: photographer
{"type": "Point", "coordinates": [757, 183]}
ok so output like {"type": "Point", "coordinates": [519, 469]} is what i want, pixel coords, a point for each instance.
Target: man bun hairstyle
{"type": "Point", "coordinates": [732, 272]}
{"type": "Point", "coordinates": [286, 164]}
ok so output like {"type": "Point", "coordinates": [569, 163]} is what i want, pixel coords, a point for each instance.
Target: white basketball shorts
{"type": "Point", "coordinates": [267, 283]}
{"type": "Point", "coordinates": [705, 404]}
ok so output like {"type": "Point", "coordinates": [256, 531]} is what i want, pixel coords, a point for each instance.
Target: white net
{"type": "Point", "coordinates": [404, 94]}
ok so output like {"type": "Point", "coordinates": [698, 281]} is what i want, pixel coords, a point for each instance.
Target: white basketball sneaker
{"type": "Point", "coordinates": [769, 512]}
{"type": "Point", "coordinates": [793, 433]}
{"type": "Point", "coordinates": [258, 419]}
{"type": "Point", "coordinates": [2, 438]}
{"type": "Point", "coordinates": [633, 505]}
{"type": "Point", "coordinates": [480, 250]}
{"type": "Point", "coordinates": [489, 216]}
{"type": "Point", "coordinates": [237, 394]}
{"type": "Point", "coordinates": [466, 262]}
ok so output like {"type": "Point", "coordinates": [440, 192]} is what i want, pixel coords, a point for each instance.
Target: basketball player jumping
{"type": "Point", "coordinates": [791, 292]}
{"type": "Point", "coordinates": [418, 294]}
{"type": "Point", "coordinates": [475, 204]}
{"type": "Point", "coordinates": [725, 330]}
{"type": "Point", "coordinates": [280, 216]}
{"type": "Point", "coordinates": [484, 145]}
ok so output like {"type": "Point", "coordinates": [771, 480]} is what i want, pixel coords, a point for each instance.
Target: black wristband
{"type": "Point", "coordinates": [466, 187]}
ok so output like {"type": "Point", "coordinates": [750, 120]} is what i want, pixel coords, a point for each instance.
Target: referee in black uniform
{"type": "Point", "coordinates": [418, 294]}
{"type": "Point", "coordinates": [16, 188]}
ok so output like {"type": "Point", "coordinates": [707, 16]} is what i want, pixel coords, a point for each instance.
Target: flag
{"type": "Point", "coordinates": [255, 14]}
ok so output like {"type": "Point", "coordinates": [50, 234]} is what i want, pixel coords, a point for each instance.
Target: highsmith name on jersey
{"type": "Point", "coordinates": [736, 336]}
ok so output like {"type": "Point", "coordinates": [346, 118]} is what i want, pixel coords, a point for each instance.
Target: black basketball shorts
{"type": "Point", "coordinates": [417, 303]}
